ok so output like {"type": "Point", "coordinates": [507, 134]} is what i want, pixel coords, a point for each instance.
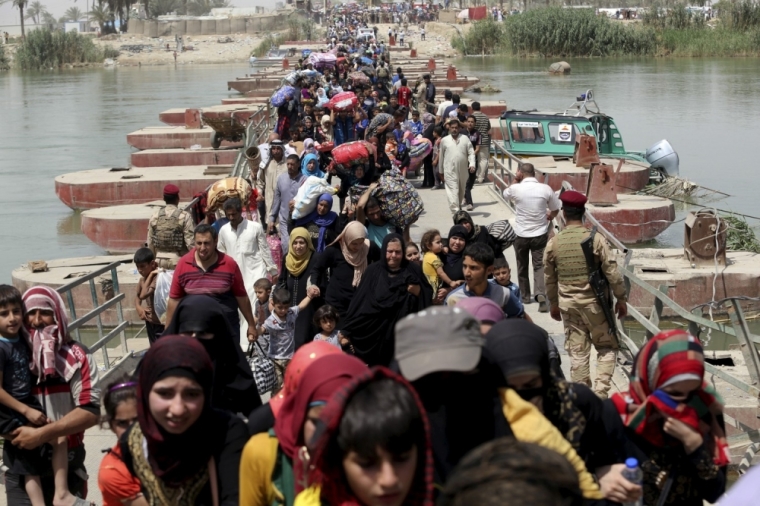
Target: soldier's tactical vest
{"type": "Point", "coordinates": [168, 235]}
{"type": "Point", "coordinates": [571, 264]}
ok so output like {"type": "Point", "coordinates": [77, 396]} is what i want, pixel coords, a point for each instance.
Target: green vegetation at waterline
{"type": "Point", "coordinates": [44, 49]}
{"type": "Point", "coordinates": [267, 43]}
{"type": "Point", "coordinates": [5, 64]}
{"type": "Point", "coordinates": [556, 32]}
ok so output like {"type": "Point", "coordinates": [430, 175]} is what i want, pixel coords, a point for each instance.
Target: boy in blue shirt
{"type": "Point", "coordinates": [414, 124]}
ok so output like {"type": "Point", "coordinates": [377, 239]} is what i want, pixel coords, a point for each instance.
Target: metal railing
{"type": "Point", "coordinates": [66, 291]}
{"type": "Point", "coordinates": [738, 328]}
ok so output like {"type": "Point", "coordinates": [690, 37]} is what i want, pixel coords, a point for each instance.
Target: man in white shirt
{"type": "Point", "coordinates": [447, 95]}
{"type": "Point", "coordinates": [536, 205]}
{"type": "Point", "coordinates": [245, 241]}
{"type": "Point", "coordinates": [456, 160]}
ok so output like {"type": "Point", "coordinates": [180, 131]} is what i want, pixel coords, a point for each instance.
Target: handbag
{"type": "Point", "coordinates": [263, 368]}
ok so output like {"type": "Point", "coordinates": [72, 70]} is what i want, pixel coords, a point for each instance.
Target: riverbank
{"type": "Point", "coordinates": [560, 33]}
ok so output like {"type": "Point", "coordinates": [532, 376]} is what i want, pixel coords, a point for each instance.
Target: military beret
{"type": "Point", "coordinates": [171, 190]}
{"type": "Point", "coordinates": [573, 199]}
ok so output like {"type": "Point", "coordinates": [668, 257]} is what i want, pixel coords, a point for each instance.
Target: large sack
{"type": "Point", "coordinates": [399, 202]}
{"type": "Point", "coordinates": [359, 78]}
{"type": "Point", "coordinates": [344, 101]}
{"type": "Point", "coordinates": [352, 153]}
{"type": "Point", "coordinates": [503, 233]}
{"type": "Point", "coordinates": [275, 249]}
{"type": "Point", "coordinates": [282, 95]}
{"type": "Point", "coordinates": [308, 195]}
{"type": "Point", "coordinates": [231, 187]}
{"type": "Point", "coordinates": [161, 295]}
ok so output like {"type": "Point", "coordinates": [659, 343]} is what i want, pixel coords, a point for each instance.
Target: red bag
{"type": "Point", "coordinates": [344, 101]}
{"type": "Point", "coordinates": [351, 153]}
{"type": "Point", "coordinates": [325, 147]}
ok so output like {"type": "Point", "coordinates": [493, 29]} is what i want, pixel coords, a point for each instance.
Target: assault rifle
{"type": "Point", "coordinates": [598, 281]}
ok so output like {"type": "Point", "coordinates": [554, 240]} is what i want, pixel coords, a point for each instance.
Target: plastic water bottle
{"type": "Point", "coordinates": [633, 473]}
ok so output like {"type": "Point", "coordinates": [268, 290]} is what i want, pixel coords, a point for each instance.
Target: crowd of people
{"type": "Point", "coordinates": [344, 364]}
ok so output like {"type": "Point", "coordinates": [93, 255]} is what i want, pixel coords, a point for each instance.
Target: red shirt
{"type": "Point", "coordinates": [404, 95]}
{"type": "Point", "coordinates": [115, 481]}
{"type": "Point", "coordinates": [222, 280]}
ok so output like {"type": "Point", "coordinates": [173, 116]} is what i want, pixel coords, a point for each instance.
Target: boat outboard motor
{"type": "Point", "coordinates": [662, 156]}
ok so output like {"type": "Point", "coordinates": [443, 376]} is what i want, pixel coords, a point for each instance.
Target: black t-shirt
{"type": "Point", "coordinates": [14, 364]}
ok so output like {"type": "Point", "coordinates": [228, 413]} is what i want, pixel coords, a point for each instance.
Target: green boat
{"type": "Point", "coordinates": [544, 133]}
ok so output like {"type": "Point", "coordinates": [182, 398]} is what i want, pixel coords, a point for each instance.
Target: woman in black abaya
{"type": "Point", "coordinates": [234, 388]}
{"type": "Point", "coordinates": [389, 290]}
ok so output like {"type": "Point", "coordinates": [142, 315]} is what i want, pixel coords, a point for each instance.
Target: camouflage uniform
{"type": "Point", "coordinates": [169, 251]}
{"type": "Point", "coordinates": [566, 276]}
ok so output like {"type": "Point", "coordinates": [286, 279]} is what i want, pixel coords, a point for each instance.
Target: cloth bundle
{"type": "Point", "coordinates": [359, 78]}
{"type": "Point", "coordinates": [344, 101]}
{"type": "Point", "coordinates": [353, 153]}
{"type": "Point", "coordinates": [308, 195]}
{"type": "Point", "coordinates": [231, 187]}
{"type": "Point", "coordinates": [419, 149]}
{"type": "Point", "coordinates": [399, 201]}
{"type": "Point", "coordinates": [282, 95]}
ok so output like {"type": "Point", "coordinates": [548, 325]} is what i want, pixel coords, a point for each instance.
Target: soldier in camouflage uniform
{"type": "Point", "coordinates": [572, 300]}
{"type": "Point", "coordinates": [170, 230]}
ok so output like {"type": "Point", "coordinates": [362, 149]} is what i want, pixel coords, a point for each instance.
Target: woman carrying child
{"type": "Point", "coordinates": [432, 266]}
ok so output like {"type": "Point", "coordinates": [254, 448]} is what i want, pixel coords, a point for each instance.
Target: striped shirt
{"type": "Point", "coordinates": [222, 280]}
{"type": "Point", "coordinates": [483, 125]}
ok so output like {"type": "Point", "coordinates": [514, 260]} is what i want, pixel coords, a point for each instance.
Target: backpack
{"type": "Point", "coordinates": [382, 72]}
{"type": "Point", "coordinates": [168, 234]}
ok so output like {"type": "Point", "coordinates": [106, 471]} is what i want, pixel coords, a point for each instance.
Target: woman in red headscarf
{"type": "Point", "coordinates": [273, 465]}
{"type": "Point", "coordinates": [673, 422]}
{"type": "Point", "coordinates": [182, 451]}
{"type": "Point", "coordinates": [262, 418]}
{"type": "Point", "coordinates": [372, 447]}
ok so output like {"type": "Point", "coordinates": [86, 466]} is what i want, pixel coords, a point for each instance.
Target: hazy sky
{"type": "Point", "coordinates": [9, 15]}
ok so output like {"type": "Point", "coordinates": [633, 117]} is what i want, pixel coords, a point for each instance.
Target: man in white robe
{"type": "Point", "coordinates": [456, 160]}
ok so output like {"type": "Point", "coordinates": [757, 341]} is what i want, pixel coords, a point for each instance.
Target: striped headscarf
{"type": "Point", "coordinates": [667, 358]}
{"type": "Point", "coordinates": [51, 353]}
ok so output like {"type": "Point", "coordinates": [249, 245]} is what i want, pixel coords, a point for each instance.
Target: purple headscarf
{"type": "Point", "coordinates": [321, 221]}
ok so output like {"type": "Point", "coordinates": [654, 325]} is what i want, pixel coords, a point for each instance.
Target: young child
{"type": "Point", "coordinates": [502, 275]}
{"type": "Point", "coordinates": [18, 406]}
{"type": "Point", "coordinates": [145, 261]}
{"type": "Point", "coordinates": [412, 252]}
{"type": "Point", "coordinates": [432, 266]}
{"type": "Point", "coordinates": [415, 125]}
{"type": "Point", "coordinates": [327, 318]}
{"type": "Point", "coordinates": [263, 288]}
{"type": "Point", "coordinates": [281, 326]}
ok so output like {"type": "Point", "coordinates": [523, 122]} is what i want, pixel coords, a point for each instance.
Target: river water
{"type": "Point", "coordinates": [56, 122]}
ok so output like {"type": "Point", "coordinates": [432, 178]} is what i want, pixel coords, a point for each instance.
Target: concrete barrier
{"type": "Point", "coordinates": [237, 25]}
{"type": "Point", "coordinates": [179, 27]}
{"type": "Point", "coordinates": [208, 26]}
{"type": "Point", "coordinates": [136, 27]}
{"type": "Point", "coordinates": [193, 27]}
{"type": "Point", "coordinates": [150, 28]}
{"type": "Point", "coordinates": [222, 26]}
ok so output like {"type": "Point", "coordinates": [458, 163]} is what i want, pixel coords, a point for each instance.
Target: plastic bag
{"type": "Point", "coordinates": [344, 101]}
{"type": "Point", "coordinates": [275, 248]}
{"type": "Point", "coordinates": [161, 295]}
{"type": "Point", "coordinates": [281, 95]}
{"type": "Point", "coordinates": [308, 195]}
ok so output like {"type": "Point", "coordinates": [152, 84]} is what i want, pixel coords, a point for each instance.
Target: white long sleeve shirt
{"type": "Point", "coordinates": [248, 246]}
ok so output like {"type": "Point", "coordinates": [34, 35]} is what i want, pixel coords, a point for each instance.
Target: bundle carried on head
{"type": "Point", "coordinates": [353, 153]}
{"type": "Point", "coordinates": [344, 101]}
{"type": "Point", "coordinates": [231, 187]}
{"type": "Point", "coordinates": [282, 95]}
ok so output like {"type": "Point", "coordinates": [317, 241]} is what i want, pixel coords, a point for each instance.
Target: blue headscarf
{"type": "Point", "coordinates": [306, 159]}
{"type": "Point", "coordinates": [321, 221]}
